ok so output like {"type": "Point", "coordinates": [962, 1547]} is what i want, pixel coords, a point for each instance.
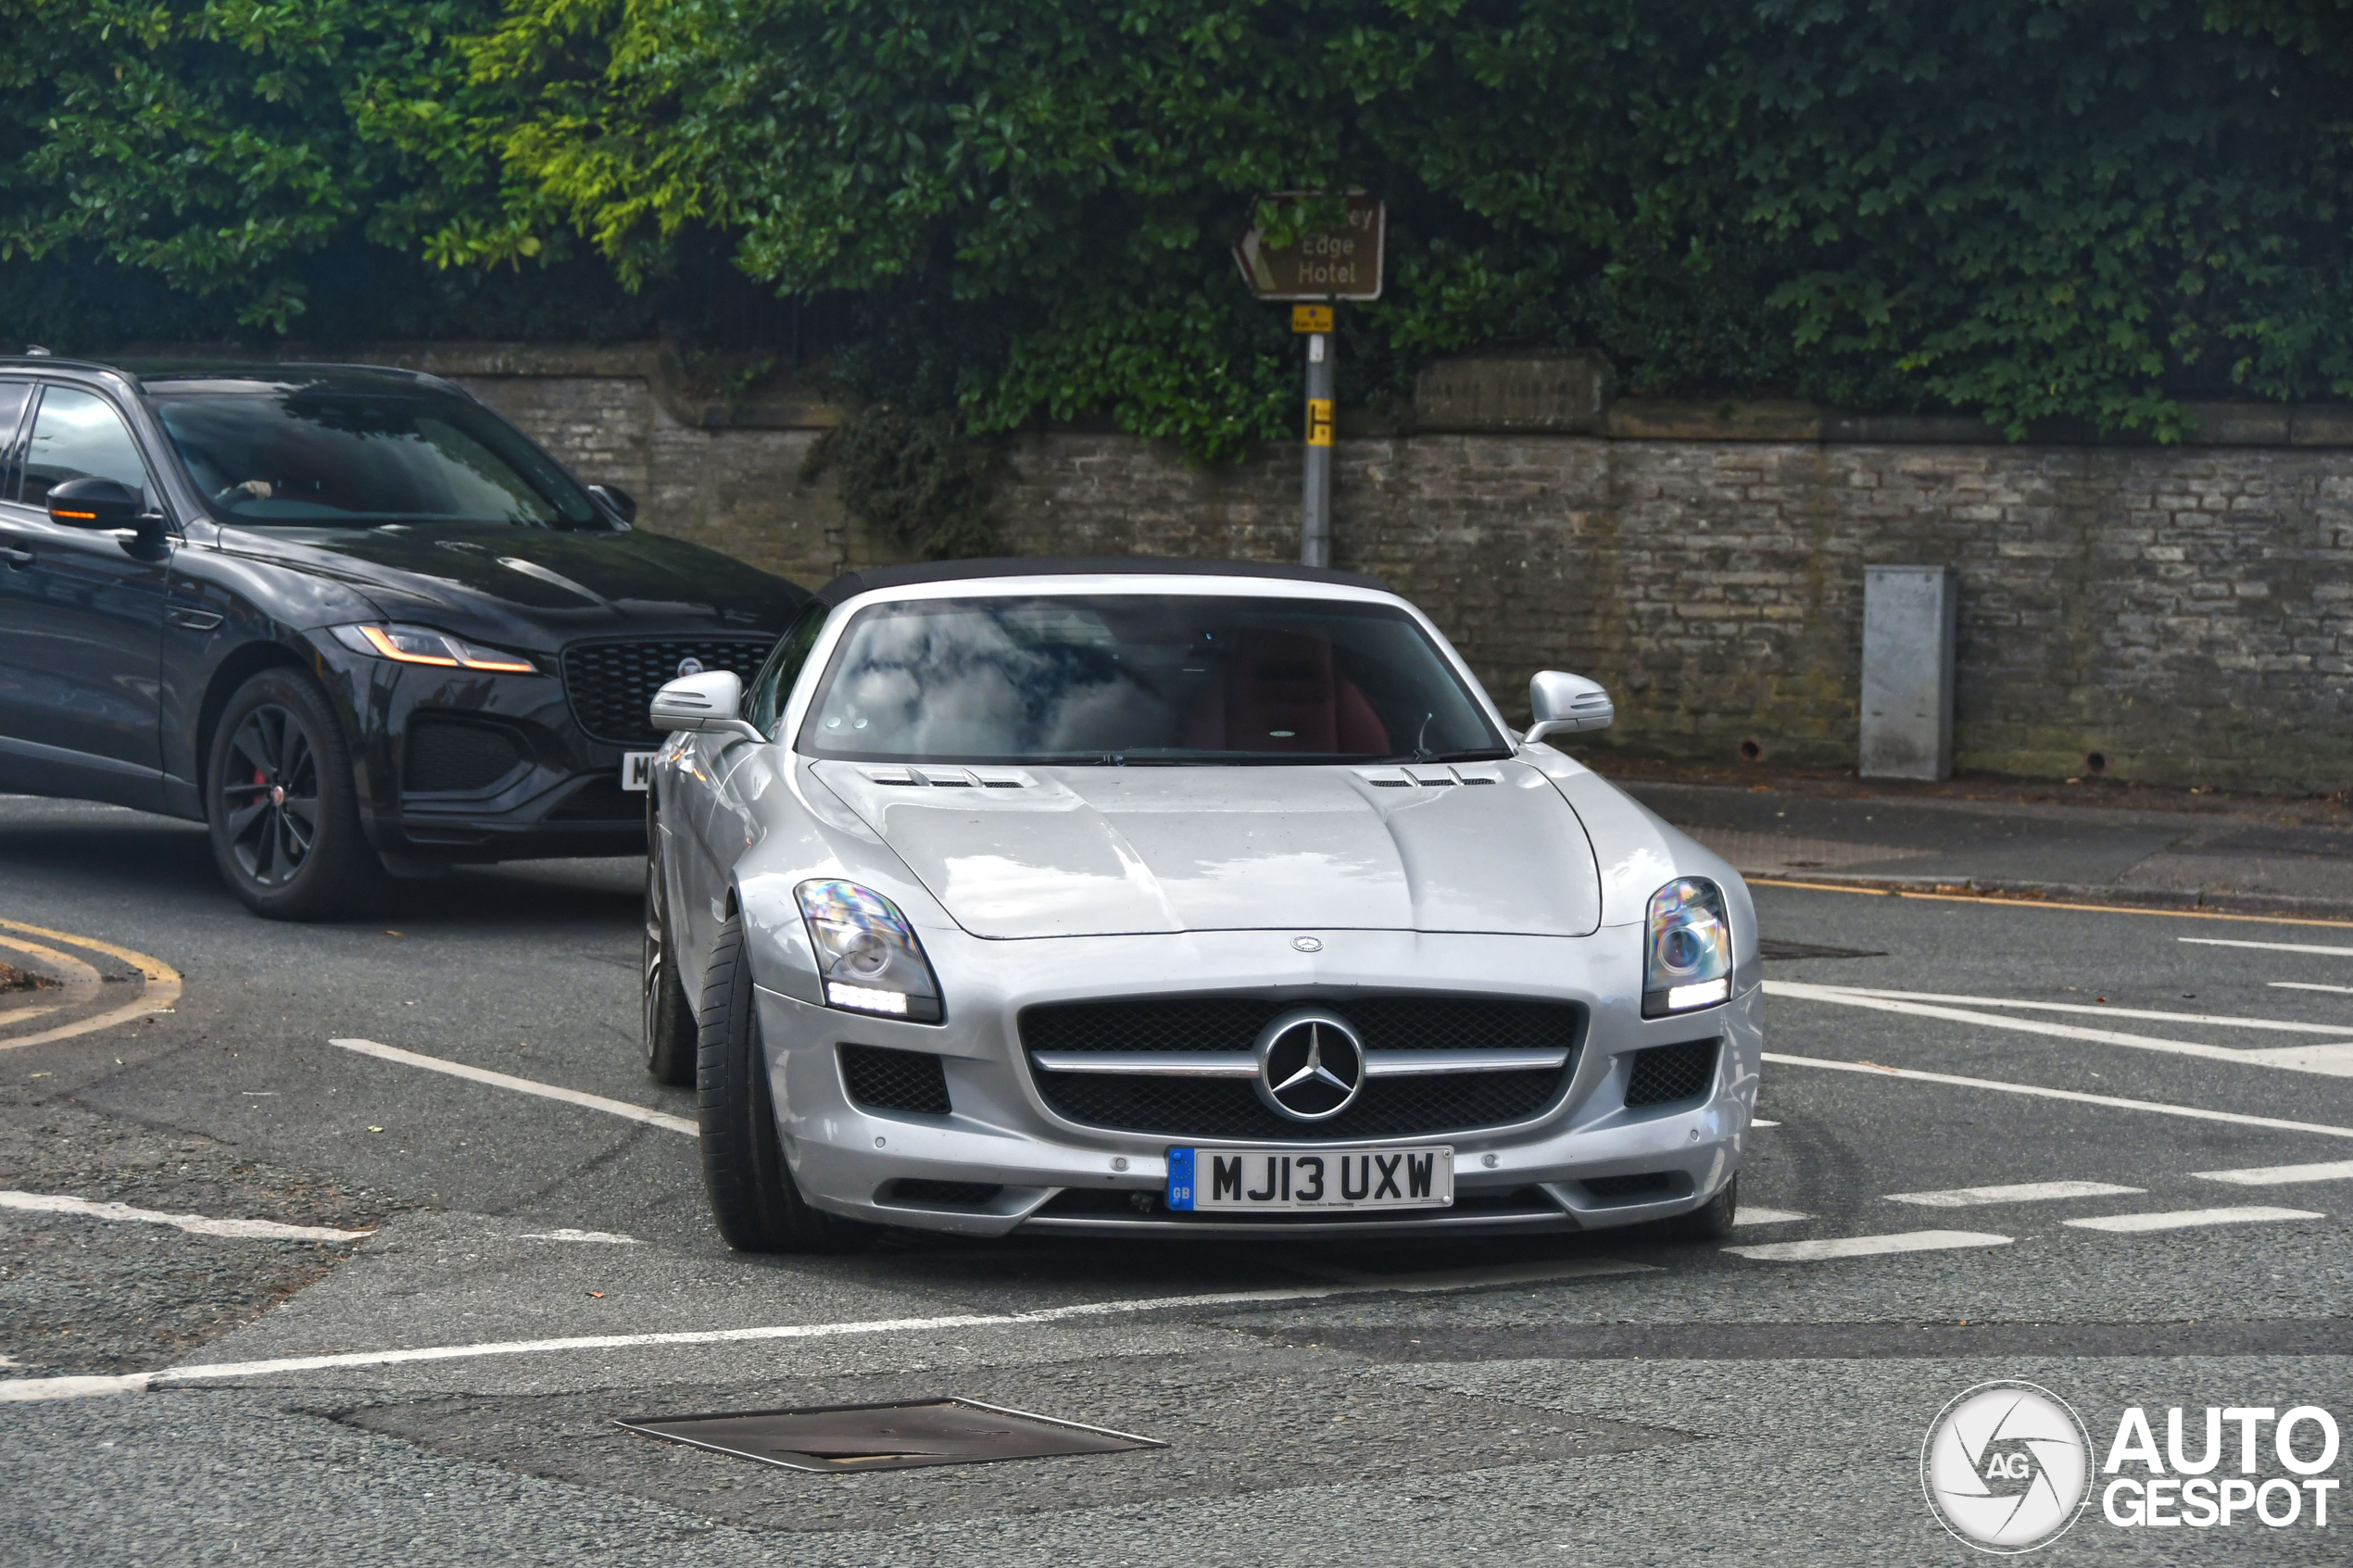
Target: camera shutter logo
{"type": "Point", "coordinates": [2006, 1467]}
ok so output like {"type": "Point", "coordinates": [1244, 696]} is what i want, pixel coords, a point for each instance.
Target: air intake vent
{"type": "Point", "coordinates": [610, 684]}
{"type": "Point", "coordinates": [444, 755]}
{"type": "Point", "coordinates": [1649, 1184]}
{"type": "Point", "coordinates": [1664, 1074]}
{"type": "Point", "coordinates": [881, 1079]}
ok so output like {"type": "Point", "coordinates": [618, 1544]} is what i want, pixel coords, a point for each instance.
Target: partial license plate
{"type": "Point", "coordinates": [637, 769]}
{"type": "Point", "coordinates": [1274, 1181]}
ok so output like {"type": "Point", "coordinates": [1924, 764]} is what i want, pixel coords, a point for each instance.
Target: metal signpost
{"type": "Point", "coordinates": [1343, 262]}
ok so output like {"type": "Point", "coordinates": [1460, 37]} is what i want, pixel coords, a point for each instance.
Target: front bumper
{"type": "Point", "coordinates": [561, 796]}
{"type": "Point", "coordinates": [1051, 1174]}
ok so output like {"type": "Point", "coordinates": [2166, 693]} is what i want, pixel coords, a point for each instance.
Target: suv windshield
{"type": "Point", "coordinates": [325, 458]}
{"type": "Point", "coordinates": [1142, 678]}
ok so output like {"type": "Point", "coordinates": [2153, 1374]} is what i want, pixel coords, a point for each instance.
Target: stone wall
{"type": "Point", "coordinates": [2183, 613]}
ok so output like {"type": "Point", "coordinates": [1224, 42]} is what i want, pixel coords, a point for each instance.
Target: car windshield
{"type": "Point", "coordinates": [1142, 678]}
{"type": "Point", "coordinates": [320, 457]}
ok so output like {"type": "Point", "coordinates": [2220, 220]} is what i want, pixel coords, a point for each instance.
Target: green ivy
{"type": "Point", "coordinates": [2032, 210]}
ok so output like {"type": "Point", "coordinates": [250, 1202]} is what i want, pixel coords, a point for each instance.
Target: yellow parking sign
{"type": "Point", "coordinates": [1311, 317]}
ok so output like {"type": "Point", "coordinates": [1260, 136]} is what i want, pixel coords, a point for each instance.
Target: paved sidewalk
{"type": "Point", "coordinates": [2248, 860]}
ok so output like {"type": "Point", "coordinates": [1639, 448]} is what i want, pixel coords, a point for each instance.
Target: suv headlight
{"type": "Point", "coordinates": [1689, 962]}
{"type": "Point", "coordinates": [867, 954]}
{"type": "Point", "coordinates": [422, 645]}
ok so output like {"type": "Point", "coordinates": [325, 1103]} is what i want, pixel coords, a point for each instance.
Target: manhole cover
{"type": "Point", "coordinates": [901, 1435]}
{"type": "Point", "coordinates": [1770, 949]}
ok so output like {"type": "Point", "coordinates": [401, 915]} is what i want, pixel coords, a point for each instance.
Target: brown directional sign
{"type": "Point", "coordinates": [1337, 263]}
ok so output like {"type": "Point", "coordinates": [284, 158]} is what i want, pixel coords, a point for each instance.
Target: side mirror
{"type": "Point", "coordinates": [623, 504]}
{"type": "Point", "coordinates": [93, 503]}
{"type": "Point", "coordinates": [1566, 704]}
{"type": "Point", "coordinates": [709, 703]}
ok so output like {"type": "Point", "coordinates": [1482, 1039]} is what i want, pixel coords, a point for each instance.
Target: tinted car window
{"type": "Point", "coordinates": [316, 458]}
{"type": "Point", "coordinates": [76, 435]}
{"type": "Point", "coordinates": [774, 681]}
{"type": "Point", "coordinates": [1142, 678]}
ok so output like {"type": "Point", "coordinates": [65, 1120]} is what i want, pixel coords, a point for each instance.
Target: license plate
{"type": "Point", "coordinates": [637, 769]}
{"type": "Point", "coordinates": [1279, 1181]}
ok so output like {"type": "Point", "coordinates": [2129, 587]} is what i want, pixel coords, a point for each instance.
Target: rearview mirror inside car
{"type": "Point", "coordinates": [709, 703]}
{"type": "Point", "coordinates": [1566, 704]}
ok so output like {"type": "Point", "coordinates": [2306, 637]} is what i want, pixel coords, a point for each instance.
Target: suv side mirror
{"type": "Point", "coordinates": [708, 703]}
{"type": "Point", "coordinates": [1566, 704]}
{"type": "Point", "coordinates": [93, 503]}
{"type": "Point", "coordinates": [624, 505]}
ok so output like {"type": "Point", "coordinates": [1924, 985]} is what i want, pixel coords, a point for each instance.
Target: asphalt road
{"type": "Point", "coordinates": [1603, 1399]}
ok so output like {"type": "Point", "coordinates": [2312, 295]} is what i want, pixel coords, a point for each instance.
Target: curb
{"type": "Point", "coordinates": [2287, 906]}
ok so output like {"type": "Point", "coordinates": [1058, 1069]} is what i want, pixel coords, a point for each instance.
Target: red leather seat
{"type": "Point", "coordinates": [1281, 691]}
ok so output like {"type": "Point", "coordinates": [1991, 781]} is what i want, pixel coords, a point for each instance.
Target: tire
{"type": "Point", "coordinates": [1711, 1221]}
{"type": "Point", "coordinates": [668, 1022]}
{"type": "Point", "coordinates": [752, 1195]}
{"type": "Point", "coordinates": [282, 805]}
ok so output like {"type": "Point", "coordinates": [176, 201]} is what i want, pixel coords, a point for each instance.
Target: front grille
{"type": "Point", "coordinates": [1664, 1074]}
{"type": "Point", "coordinates": [881, 1079]}
{"type": "Point", "coordinates": [1229, 1108]}
{"type": "Point", "coordinates": [611, 682]}
{"type": "Point", "coordinates": [446, 755]}
{"type": "Point", "coordinates": [937, 1195]}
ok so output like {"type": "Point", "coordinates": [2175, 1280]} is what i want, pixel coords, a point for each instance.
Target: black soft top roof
{"type": "Point", "coordinates": [854, 582]}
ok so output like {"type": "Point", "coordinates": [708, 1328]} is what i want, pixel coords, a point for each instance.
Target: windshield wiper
{"type": "Point", "coordinates": [1483, 754]}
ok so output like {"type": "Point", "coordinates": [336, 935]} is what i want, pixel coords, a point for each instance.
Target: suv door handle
{"type": "Point", "coordinates": [16, 554]}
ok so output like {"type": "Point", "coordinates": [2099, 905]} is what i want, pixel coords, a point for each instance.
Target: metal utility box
{"type": "Point", "coordinates": [1912, 618]}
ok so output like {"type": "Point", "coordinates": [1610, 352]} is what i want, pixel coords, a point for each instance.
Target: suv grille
{"type": "Point", "coordinates": [611, 682]}
{"type": "Point", "coordinates": [1664, 1074]}
{"type": "Point", "coordinates": [1229, 1107]}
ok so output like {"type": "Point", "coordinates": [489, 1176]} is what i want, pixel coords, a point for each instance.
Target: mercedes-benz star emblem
{"type": "Point", "coordinates": [1311, 1065]}
{"type": "Point", "coordinates": [689, 667]}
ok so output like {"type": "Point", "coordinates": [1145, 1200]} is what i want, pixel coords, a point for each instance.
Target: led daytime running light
{"type": "Point", "coordinates": [387, 642]}
{"type": "Point", "coordinates": [868, 957]}
{"type": "Point", "coordinates": [1687, 957]}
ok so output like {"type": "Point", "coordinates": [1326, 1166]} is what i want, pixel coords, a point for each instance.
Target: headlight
{"type": "Point", "coordinates": [1689, 962]}
{"type": "Point", "coordinates": [421, 645]}
{"type": "Point", "coordinates": [867, 954]}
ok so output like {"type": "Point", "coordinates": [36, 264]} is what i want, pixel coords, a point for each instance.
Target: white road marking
{"type": "Point", "coordinates": [1745, 1215]}
{"type": "Point", "coordinates": [2023, 1192]}
{"type": "Point", "coordinates": [2181, 1219]}
{"type": "Point", "coordinates": [2334, 1059]}
{"type": "Point", "coordinates": [30, 1389]}
{"type": "Point", "coordinates": [2194, 1113]}
{"type": "Point", "coordinates": [242, 1230]}
{"type": "Point", "coordinates": [2280, 1176]}
{"type": "Point", "coordinates": [581, 1235]}
{"type": "Point", "coordinates": [2310, 985]}
{"type": "Point", "coordinates": [1866, 1246]}
{"type": "Point", "coordinates": [2220, 1020]}
{"type": "Point", "coordinates": [522, 1085]}
{"type": "Point", "coordinates": [1760, 1121]}
{"type": "Point", "coordinates": [2268, 947]}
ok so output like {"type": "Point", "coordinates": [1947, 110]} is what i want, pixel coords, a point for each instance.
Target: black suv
{"type": "Point", "coordinates": [348, 617]}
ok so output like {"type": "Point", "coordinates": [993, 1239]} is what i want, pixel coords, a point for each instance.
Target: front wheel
{"type": "Point", "coordinates": [282, 805]}
{"type": "Point", "coordinates": [668, 1023]}
{"type": "Point", "coordinates": [752, 1195]}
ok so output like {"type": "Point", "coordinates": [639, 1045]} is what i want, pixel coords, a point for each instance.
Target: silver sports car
{"type": "Point", "coordinates": [1166, 898]}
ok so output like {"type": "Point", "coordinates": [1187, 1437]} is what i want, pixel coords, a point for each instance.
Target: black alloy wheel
{"type": "Point", "coordinates": [668, 1023]}
{"type": "Point", "coordinates": [282, 807]}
